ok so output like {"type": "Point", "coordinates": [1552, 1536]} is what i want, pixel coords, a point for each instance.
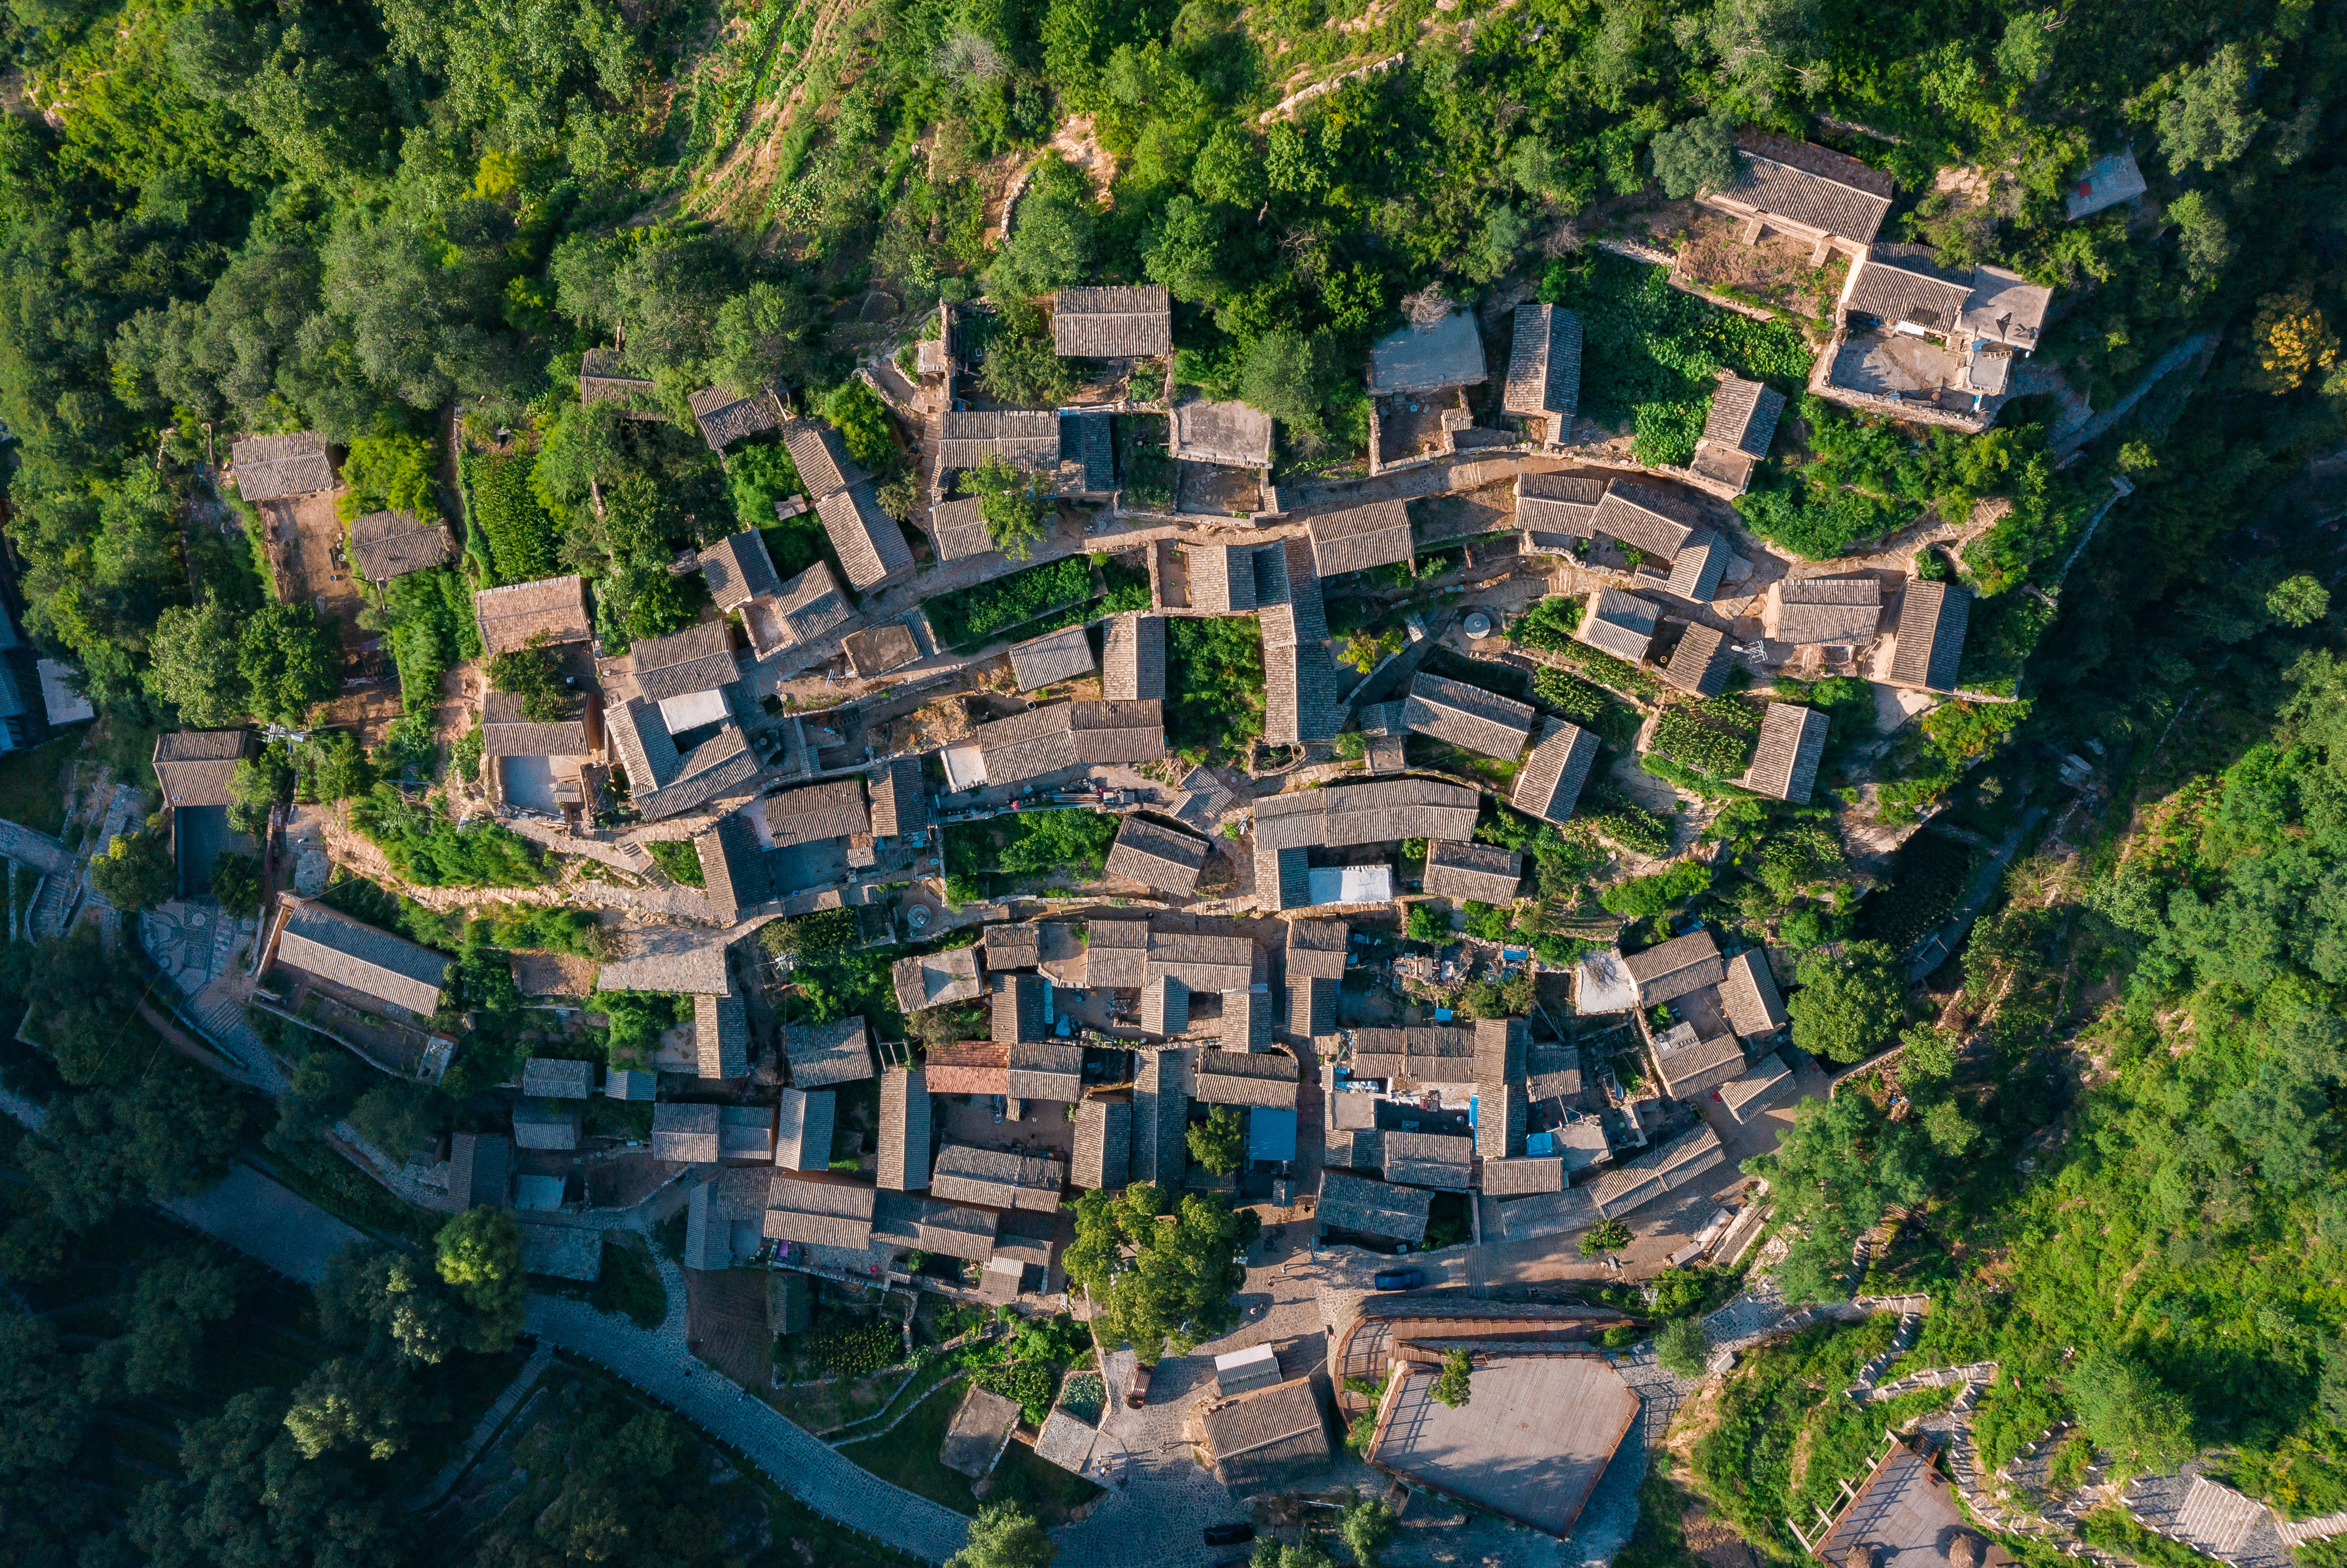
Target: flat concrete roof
{"type": "Point", "coordinates": [1529, 1444]}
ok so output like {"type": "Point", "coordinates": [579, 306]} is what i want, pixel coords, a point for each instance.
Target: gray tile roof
{"type": "Point", "coordinates": [997, 1178]}
{"type": "Point", "coordinates": [1156, 855]}
{"type": "Point", "coordinates": [661, 783]}
{"type": "Point", "coordinates": [1246, 1021]}
{"type": "Point", "coordinates": [817, 812]}
{"type": "Point", "coordinates": [820, 1213]}
{"type": "Point", "coordinates": [1044, 1069]}
{"type": "Point", "coordinates": [1222, 578]}
{"type": "Point", "coordinates": [1230, 433]}
{"type": "Point", "coordinates": [1745, 1096]}
{"type": "Point", "coordinates": [959, 530]}
{"type": "Point", "coordinates": [1481, 872]}
{"type": "Point", "coordinates": [1517, 1178]}
{"type": "Point", "coordinates": [1360, 538]}
{"type": "Point", "coordinates": [1087, 451]}
{"type": "Point", "coordinates": [1103, 1150]}
{"type": "Point", "coordinates": [1932, 616]}
{"type": "Point", "coordinates": [1116, 953]}
{"type": "Point", "coordinates": [1748, 995]}
{"type": "Point", "coordinates": [1203, 962]}
{"type": "Point", "coordinates": [809, 605]}
{"type": "Point", "coordinates": [821, 458]}
{"type": "Point", "coordinates": [1744, 415]}
{"type": "Point", "coordinates": [1373, 813]}
{"type": "Point", "coordinates": [823, 1054]}
{"type": "Point", "coordinates": [900, 800]}
{"type": "Point", "coordinates": [1026, 438]}
{"type": "Point", "coordinates": [551, 607]}
{"type": "Point", "coordinates": [1369, 1208]}
{"type": "Point", "coordinates": [1067, 735]}
{"type": "Point", "coordinates": [1283, 879]}
{"type": "Point", "coordinates": [1544, 362]}
{"type": "Point", "coordinates": [686, 1134]}
{"type": "Point", "coordinates": [1671, 970]}
{"type": "Point", "coordinates": [1132, 661]}
{"type": "Point", "coordinates": [197, 767]}
{"type": "Point", "coordinates": [678, 958]}
{"type": "Point", "coordinates": [1651, 520]}
{"type": "Point", "coordinates": [1558, 507]}
{"type": "Point", "coordinates": [802, 1130]}
{"type": "Point", "coordinates": [1164, 1006]}
{"type": "Point", "coordinates": [1785, 764]}
{"type": "Point", "coordinates": [605, 377]}
{"type": "Point", "coordinates": [1299, 677]}
{"type": "Point", "coordinates": [1270, 1440]}
{"type": "Point", "coordinates": [904, 1131]}
{"type": "Point", "coordinates": [1265, 1077]}
{"type": "Point", "coordinates": [1018, 1008]}
{"type": "Point", "coordinates": [934, 979]}
{"type": "Point", "coordinates": [1019, 945]}
{"type": "Point", "coordinates": [1427, 1159]}
{"type": "Point", "coordinates": [1700, 664]}
{"type": "Point", "coordinates": [506, 732]}
{"type": "Point", "coordinates": [557, 1078]}
{"type": "Point", "coordinates": [479, 1170]}
{"type": "Point", "coordinates": [1550, 783]}
{"type": "Point", "coordinates": [721, 1036]}
{"type": "Point", "coordinates": [737, 569]}
{"type": "Point", "coordinates": [1620, 623]}
{"type": "Point", "coordinates": [1062, 655]}
{"type": "Point", "coordinates": [1813, 186]}
{"type": "Point", "coordinates": [1458, 714]}
{"type": "Point", "coordinates": [1553, 1073]}
{"type": "Point", "coordinates": [903, 1220]}
{"type": "Point", "coordinates": [1906, 284]}
{"type": "Point", "coordinates": [1317, 947]}
{"type": "Point", "coordinates": [1696, 571]}
{"type": "Point", "coordinates": [1311, 1005]}
{"type": "Point", "coordinates": [1160, 1112]}
{"type": "Point", "coordinates": [1687, 1064]}
{"type": "Point", "coordinates": [332, 946]}
{"type": "Point", "coordinates": [385, 545]}
{"type": "Point", "coordinates": [870, 545]}
{"type": "Point", "coordinates": [1824, 610]}
{"type": "Point", "coordinates": [1111, 323]}
{"type": "Point", "coordinates": [274, 467]}
{"type": "Point", "coordinates": [725, 418]}
{"type": "Point", "coordinates": [698, 658]}
{"type": "Point", "coordinates": [1499, 1125]}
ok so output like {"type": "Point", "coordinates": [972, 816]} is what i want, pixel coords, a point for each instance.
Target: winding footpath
{"type": "Point", "coordinates": [261, 1217]}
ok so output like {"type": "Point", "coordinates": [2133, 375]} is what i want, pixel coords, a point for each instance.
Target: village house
{"type": "Point", "coordinates": [1157, 856]}
{"type": "Point", "coordinates": [726, 416]}
{"type": "Point", "coordinates": [1132, 659]}
{"type": "Point", "coordinates": [1619, 623]}
{"type": "Point", "coordinates": [1913, 335]}
{"type": "Point", "coordinates": [1556, 511]}
{"type": "Point", "coordinates": [1050, 740]}
{"type": "Point", "coordinates": [1700, 662]}
{"type": "Point", "coordinates": [1736, 432]}
{"type": "Point", "coordinates": [1785, 764]}
{"type": "Point", "coordinates": [1802, 191]}
{"type": "Point", "coordinates": [1419, 377]}
{"type": "Point", "coordinates": [1543, 386]}
{"type": "Point", "coordinates": [605, 377]}
{"type": "Point", "coordinates": [1299, 679]}
{"type": "Point", "coordinates": [870, 545]}
{"type": "Point", "coordinates": [1550, 783]}
{"type": "Point", "coordinates": [1468, 717]}
{"type": "Point", "coordinates": [539, 765]}
{"type": "Point", "coordinates": [1929, 647]}
{"type": "Point", "coordinates": [1055, 656]}
{"type": "Point", "coordinates": [280, 467]}
{"type": "Point", "coordinates": [385, 545]}
{"type": "Point", "coordinates": [552, 609]}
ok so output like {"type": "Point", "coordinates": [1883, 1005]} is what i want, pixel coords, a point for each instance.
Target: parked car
{"type": "Point", "coordinates": [1228, 1535]}
{"type": "Point", "coordinates": [1138, 1395]}
{"type": "Point", "coordinates": [1399, 1279]}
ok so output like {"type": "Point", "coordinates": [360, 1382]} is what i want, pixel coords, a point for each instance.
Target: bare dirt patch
{"type": "Point", "coordinates": [1774, 272]}
{"type": "Point", "coordinates": [305, 539]}
{"type": "Point", "coordinates": [1075, 143]}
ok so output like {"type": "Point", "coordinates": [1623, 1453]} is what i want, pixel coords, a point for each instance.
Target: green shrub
{"type": "Point", "coordinates": [506, 516]}
{"type": "Point", "coordinates": [1622, 821]}
{"type": "Point", "coordinates": [853, 1348]}
{"type": "Point", "coordinates": [428, 849]}
{"type": "Point", "coordinates": [1034, 844]}
{"type": "Point", "coordinates": [1683, 734]}
{"type": "Point", "coordinates": [678, 858]}
{"type": "Point", "coordinates": [1643, 898]}
{"type": "Point", "coordinates": [1214, 684]}
{"type": "Point", "coordinates": [1568, 694]}
{"type": "Point", "coordinates": [975, 614]}
{"type": "Point", "coordinates": [1618, 673]}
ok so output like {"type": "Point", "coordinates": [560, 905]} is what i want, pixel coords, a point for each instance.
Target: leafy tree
{"type": "Point", "coordinates": [1152, 1284]}
{"type": "Point", "coordinates": [2126, 1409]}
{"type": "Point", "coordinates": [2207, 123]}
{"type": "Point", "coordinates": [257, 784]}
{"type": "Point", "coordinates": [196, 666]}
{"type": "Point", "coordinates": [1929, 1055]}
{"type": "Point", "coordinates": [1427, 923]}
{"type": "Point", "coordinates": [382, 1303]}
{"type": "Point", "coordinates": [1832, 1175]}
{"type": "Point", "coordinates": [2201, 236]}
{"type": "Point", "coordinates": [1310, 1551]}
{"type": "Point", "coordinates": [1004, 1536]}
{"type": "Point", "coordinates": [1229, 167]}
{"type": "Point", "coordinates": [2027, 51]}
{"type": "Point", "coordinates": [862, 421]}
{"type": "Point", "coordinates": [170, 1134]}
{"type": "Point", "coordinates": [1219, 1143]}
{"type": "Point", "coordinates": [366, 1405]}
{"type": "Point", "coordinates": [45, 1415]}
{"type": "Point", "coordinates": [136, 871]}
{"type": "Point", "coordinates": [1021, 366]}
{"type": "Point", "coordinates": [1282, 376]}
{"type": "Point", "coordinates": [1693, 158]}
{"type": "Point", "coordinates": [236, 883]}
{"type": "Point", "coordinates": [532, 673]}
{"type": "Point", "coordinates": [480, 1252]}
{"type": "Point", "coordinates": [1011, 503]}
{"type": "Point", "coordinates": [289, 656]}
{"type": "Point", "coordinates": [2300, 601]}
{"type": "Point", "coordinates": [1605, 1236]}
{"type": "Point", "coordinates": [389, 473]}
{"type": "Point", "coordinates": [1683, 1346]}
{"type": "Point", "coordinates": [1366, 649]}
{"type": "Point", "coordinates": [1452, 1387]}
{"type": "Point", "coordinates": [2292, 339]}
{"type": "Point", "coordinates": [761, 337]}
{"type": "Point", "coordinates": [1050, 244]}
{"type": "Point", "coordinates": [1365, 1525]}
{"type": "Point", "coordinates": [1849, 1006]}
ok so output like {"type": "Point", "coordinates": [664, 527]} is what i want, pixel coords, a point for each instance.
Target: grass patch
{"type": "Point", "coordinates": [678, 858]}
{"type": "Point", "coordinates": [29, 795]}
{"type": "Point", "coordinates": [906, 1454]}
{"type": "Point", "coordinates": [1649, 350]}
{"type": "Point", "coordinates": [1214, 684]}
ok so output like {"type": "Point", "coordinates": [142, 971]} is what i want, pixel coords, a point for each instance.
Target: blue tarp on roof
{"type": "Point", "coordinates": [1271, 1134]}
